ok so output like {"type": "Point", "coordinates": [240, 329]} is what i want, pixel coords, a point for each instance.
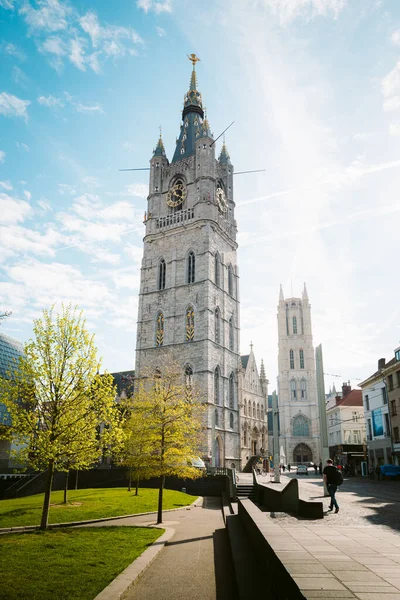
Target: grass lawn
{"type": "Point", "coordinates": [68, 564]}
{"type": "Point", "coordinates": [87, 504]}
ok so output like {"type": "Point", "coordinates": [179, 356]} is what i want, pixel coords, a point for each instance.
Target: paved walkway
{"type": "Point", "coordinates": [195, 563]}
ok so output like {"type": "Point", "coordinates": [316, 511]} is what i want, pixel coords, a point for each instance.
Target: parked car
{"type": "Point", "coordinates": [302, 470]}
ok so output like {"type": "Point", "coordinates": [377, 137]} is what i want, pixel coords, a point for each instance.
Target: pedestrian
{"type": "Point", "coordinates": [330, 480]}
{"type": "Point", "coordinates": [320, 467]}
{"type": "Point", "coordinates": [289, 467]}
{"type": "Point", "coordinates": [378, 472]}
{"type": "Point", "coordinates": [316, 468]}
{"type": "Point", "coordinates": [283, 468]}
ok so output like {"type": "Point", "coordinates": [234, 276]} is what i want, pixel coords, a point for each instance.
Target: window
{"type": "Point", "coordinates": [366, 400]}
{"type": "Point", "coordinates": [188, 373]}
{"type": "Point", "coordinates": [398, 378]}
{"type": "Point", "coordinates": [357, 436]}
{"type": "Point", "coordinates": [354, 416]}
{"type": "Point", "coordinates": [303, 389]}
{"type": "Point", "coordinates": [231, 334]}
{"type": "Point", "coordinates": [231, 420]}
{"type": "Point", "coordinates": [216, 418]}
{"type": "Point", "coordinates": [216, 386]}
{"type": "Point", "coordinates": [190, 324]}
{"type": "Point", "coordinates": [301, 359]}
{"type": "Point", "coordinates": [191, 268]}
{"type": "Point", "coordinates": [245, 407]}
{"type": "Point", "coordinates": [258, 411]}
{"type": "Point", "coordinates": [245, 438]}
{"type": "Point", "coordinates": [230, 280]}
{"type": "Point", "coordinates": [217, 270]}
{"type": "Point", "coordinates": [397, 354]}
{"type": "Point", "coordinates": [161, 274]}
{"type": "Point", "coordinates": [231, 391]}
{"type": "Point", "coordinates": [393, 410]}
{"type": "Point", "coordinates": [369, 429]}
{"type": "Point", "coordinates": [387, 426]}
{"type": "Point", "coordinates": [300, 426]}
{"type": "Point", "coordinates": [396, 434]}
{"type": "Point", "coordinates": [217, 326]}
{"type": "Point", "coordinates": [254, 410]}
{"type": "Point", "coordinates": [390, 382]}
{"type": "Point", "coordinates": [262, 412]}
{"type": "Point", "coordinates": [294, 325]}
{"type": "Point", "coordinates": [384, 395]}
{"type": "Point", "coordinates": [291, 359]}
{"type": "Point", "coordinates": [160, 329]}
{"type": "Point", "coordinates": [347, 436]}
{"type": "Point", "coordinates": [293, 389]}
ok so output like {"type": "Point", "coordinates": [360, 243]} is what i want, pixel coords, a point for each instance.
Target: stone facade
{"type": "Point", "coordinates": [189, 289]}
{"type": "Point", "coordinates": [253, 402]}
{"type": "Point", "coordinates": [298, 402]}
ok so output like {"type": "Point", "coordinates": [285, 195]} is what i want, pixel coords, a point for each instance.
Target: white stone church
{"type": "Point", "coordinates": [189, 291]}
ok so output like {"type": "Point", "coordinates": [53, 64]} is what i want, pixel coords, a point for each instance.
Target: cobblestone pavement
{"type": "Point", "coordinates": [362, 502]}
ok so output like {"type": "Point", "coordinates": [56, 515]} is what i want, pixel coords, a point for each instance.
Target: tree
{"type": "Point", "coordinates": [63, 412]}
{"type": "Point", "coordinates": [137, 448]}
{"type": "Point", "coordinates": [167, 412]}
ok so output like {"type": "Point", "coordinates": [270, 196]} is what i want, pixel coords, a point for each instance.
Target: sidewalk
{"type": "Point", "coordinates": [195, 563]}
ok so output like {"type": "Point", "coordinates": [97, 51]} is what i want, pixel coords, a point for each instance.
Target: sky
{"type": "Point", "coordinates": [313, 87]}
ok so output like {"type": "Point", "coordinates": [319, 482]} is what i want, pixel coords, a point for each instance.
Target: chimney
{"type": "Point", "coordinates": [381, 364]}
{"type": "Point", "coordinates": [346, 389]}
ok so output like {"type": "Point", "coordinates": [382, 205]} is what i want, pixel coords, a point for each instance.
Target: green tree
{"type": "Point", "coordinates": [63, 412]}
{"type": "Point", "coordinates": [167, 412]}
{"type": "Point", "coordinates": [137, 448]}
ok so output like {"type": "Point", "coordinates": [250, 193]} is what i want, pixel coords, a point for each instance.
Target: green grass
{"type": "Point", "coordinates": [87, 504]}
{"type": "Point", "coordinates": [68, 564]}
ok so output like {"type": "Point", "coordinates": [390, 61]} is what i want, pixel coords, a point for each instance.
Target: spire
{"type": "Point", "coordinates": [333, 388]}
{"type": "Point", "coordinates": [281, 298]}
{"type": "Point", "coordinates": [224, 155]}
{"type": "Point", "coordinates": [159, 149]}
{"type": "Point", "coordinates": [194, 125]}
{"type": "Point", "coordinates": [305, 295]}
{"type": "Point", "coordinates": [251, 347]}
{"type": "Point", "coordinates": [262, 370]}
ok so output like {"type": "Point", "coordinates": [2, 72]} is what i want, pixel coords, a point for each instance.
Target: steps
{"type": "Point", "coordinates": [245, 490]}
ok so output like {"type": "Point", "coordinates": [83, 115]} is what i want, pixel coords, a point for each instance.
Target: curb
{"type": "Point", "coordinates": [29, 528]}
{"type": "Point", "coordinates": [125, 580]}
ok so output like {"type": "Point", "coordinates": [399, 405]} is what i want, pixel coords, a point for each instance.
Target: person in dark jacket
{"type": "Point", "coordinates": [330, 480]}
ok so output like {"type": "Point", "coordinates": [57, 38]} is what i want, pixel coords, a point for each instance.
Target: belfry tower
{"type": "Point", "coordinates": [189, 289]}
{"type": "Point", "coordinates": [298, 402]}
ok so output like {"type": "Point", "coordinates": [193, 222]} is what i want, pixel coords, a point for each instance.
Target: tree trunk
{"type": "Point", "coordinates": [66, 488]}
{"type": "Point", "coordinates": [137, 486]}
{"type": "Point", "coordinates": [160, 499]}
{"type": "Point", "coordinates": [47, 494]}
{"type": "Point", "coordinates": [130, 480]}
{"type": "Point", "coordinates": [76, 480]}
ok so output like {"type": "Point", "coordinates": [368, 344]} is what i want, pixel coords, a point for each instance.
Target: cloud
{"type": "Point", "coordinates": [128, 146]}
{"type": "Point", "coordinates": [6, 185]}
{"type": "Point", "coordinates": [92, 182]}
{"type": "Point", "coordinates": [161, 32]}
{"type": "Point", "coordinates": [77, 53]}
{"type": "Point", "coordinates": [20, 77]}
{"type": "Point", "coordinates": [50, 16]}
{"type": "Point", "coordinates": [11, 106]}
{"type": "Point", "coordinates": [288, 10]}
{"type": "Point", "coordinates": [27, 195]}
{"type": "Point", "coordinates": [89, 108]}
{"type": "Point", "coordinates": [22, 146]}
{"type": "Point", "coordinates": [2, 156]}
{"type": "Point", "coordinates": [44, 205]}
{"type": "Point", "coordinates": [13, 210]}
{"type": "Point", "coordinates": [7, 4]}
{"type": "Point", "coordinates": [140, 190]}
{"type": "Point", "coordinates": [65, 188]}
{"type": "Point", "coordinates": [160, 6]}
{"type": "Point", "coordinates": [395, 37]}
{"type": "Point", "coordinates": [13, 50]}
{"type": "Point", "coordinates": [50, 101]}
{"type": "Point", "coordinates": [54, 45]}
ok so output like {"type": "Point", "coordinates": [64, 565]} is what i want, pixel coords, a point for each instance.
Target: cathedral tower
{"type": "Point", "coordinates": [298, 402]}
{"type": "Point", "coordinates": [189, 289]}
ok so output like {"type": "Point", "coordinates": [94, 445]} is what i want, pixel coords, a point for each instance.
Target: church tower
{"type": "Point", "coordinates": [298, 402]}
{"type": "Point", "coordinates": [189, 289]}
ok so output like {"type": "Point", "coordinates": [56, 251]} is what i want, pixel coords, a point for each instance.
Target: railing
{"type": "Point", "coordinates": [175, 219]}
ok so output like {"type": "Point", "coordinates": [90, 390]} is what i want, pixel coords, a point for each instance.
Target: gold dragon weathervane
{"type": "Point", "coordinates": [194, 59]}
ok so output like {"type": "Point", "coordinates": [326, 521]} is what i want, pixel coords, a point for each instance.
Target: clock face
{"type": "Point", "coordinates": [221, 200]}
{"type": "Point", "coordinates": [176, 194]}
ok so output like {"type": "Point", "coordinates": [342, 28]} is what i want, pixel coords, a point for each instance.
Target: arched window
{"type": "Point", "coordinates": [231, 335]}
{"type": "Point", "coordinates": [231, 391]}
{"type": "Point", "coordinates": [161, 274]}
{"type": "Point", "coordinates": [293, 395]}
{"type": "Point", "coordinates": [160, 329]}
{"type": "Point", "coordinates": [191, 263]}
{"type": "Point", "coordinates": [217, 326]}
{"type": "Point", "coordinates": [217, 269]}
{"type": "Point", "coordinates": [216, 418]}
{"type": "Point", "coordinates": [188, 382]}
{"type": "Point", "coordinates": [254, 409]}
{"type": "Point", "coordinates": [291, 359]}
{"type": "Point", "coordinates": [294, 325]}
{"type": "Point", "coordinates": [216, 386]}
{"type": "Point", "coordinates": [258, 411]}
{"type": "Point", "coordinates": [303, 389]}
{"type": "Point", "coordinates": [230, 281]}
{"type": "Point", "coordinates": [300, 426]}
{"type": "Point", "coordinates": [245, 437]}
{"type": "Point", "coordinates": [190, 324]}
{"type": "Point", "coordinates": [231, 420]}
{"type": "Point", "coordinates": [301, 359]}
{"type": "Point", "coordinates": [262, 414]}
{"type": "Point", "coordinates": [245, 407]}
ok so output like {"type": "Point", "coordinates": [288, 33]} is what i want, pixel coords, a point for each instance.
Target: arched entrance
{"type": "Point", "coordinates": [254, 442]}
{"type": "Point", "coordinates": [218, 452]}
{"type": "Point", "coordinates": [302, 454]}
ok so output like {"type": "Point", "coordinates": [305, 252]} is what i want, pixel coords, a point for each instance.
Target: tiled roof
{"type": "Point", "coordinates": [354, 398]}
{"type": "Point", "coordinates": [10, 351]}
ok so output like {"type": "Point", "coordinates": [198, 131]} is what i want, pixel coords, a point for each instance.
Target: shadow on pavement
{"type": "Point", "coordinates": [225, 578]}
{"type": "Point", "coordinates": [196, 539]}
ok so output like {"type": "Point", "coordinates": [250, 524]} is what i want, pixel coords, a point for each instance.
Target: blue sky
{"type": "Point", "coordinates": [314, 89]}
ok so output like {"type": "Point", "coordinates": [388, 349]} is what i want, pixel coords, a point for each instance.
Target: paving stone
{"type": "Point", "coordinates": [393, 580]}
{"type": "Point", "coordinates": [318, 583]}
{"type": "Point", "coordinates": [376, 596]}
{"type": "Point", "coordinates": [340, 566]}
{"type": "Point", "coordinates": [365, 587]}
{"type": "Point", "coordinates": [335, 595]}
{"type": "Point", "coordinates": [309, 568]}
{"type": "Point", "coordinates": [357, 576]}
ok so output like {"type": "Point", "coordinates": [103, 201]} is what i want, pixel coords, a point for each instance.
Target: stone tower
{"type": "Point", "coordinates": [298, 402]}
{"type": "Point", "coordinates": [189, 289]}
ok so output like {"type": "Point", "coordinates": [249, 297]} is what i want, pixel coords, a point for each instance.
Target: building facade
{"type": "Point", "coordinates": [392, 378]}
{"type": "Point", "coordinates": [189, 288]}
{"type": "Point", "coordinates": [299, 437]}
{"type": "Point", "coordinates": [10, 351]}
{"type": "Point", "coordinates": [253, 403]}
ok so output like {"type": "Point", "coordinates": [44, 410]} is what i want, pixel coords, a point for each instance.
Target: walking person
{"type": "Point", "coordinates": [320, 467]}
{"type": "Point", "coordinates": [289, 467]}
{"type": "Point", "coordinates": [330, 478]}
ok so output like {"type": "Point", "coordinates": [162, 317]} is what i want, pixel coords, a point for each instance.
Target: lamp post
{"type": "Point", "coordinates": [324, 449]}
{"type": "Point", "coordinates": [275, 414]}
